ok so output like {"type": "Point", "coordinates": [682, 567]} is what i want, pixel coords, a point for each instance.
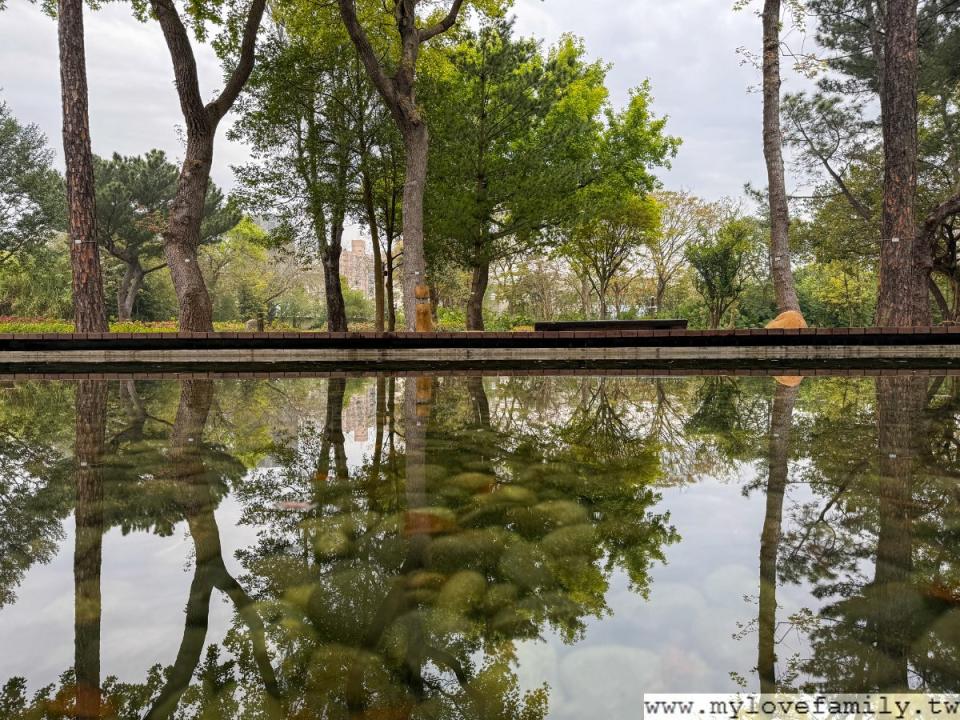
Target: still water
{"type": "Point", "coordinates": [467, 547]}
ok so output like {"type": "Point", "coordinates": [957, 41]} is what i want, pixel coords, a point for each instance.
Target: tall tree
{"type": "Point", "coordinates": [301, 120]}
{"type": "Point", "coordinates": [88, 308]}
{"type": "Point", "coordinates": [778, 472]}
{"type": "Point", "coordinates": [905, 260]}
{"type": "Point", "coordinates": [182, 234]}
{"type": "Point", "coordinates": [91, 424]}
{"type": "Point", "coordinates": [720, 261]}
{"type": "Point", "coordinates": [682, 216]}
{"type": "Point", "coordinates": [134, 195]}
{"type": "Point", "coordinates": [886, 52]}
{"type": "Point", "coordinates": [512, 140]}
{"type": "Point", "coordinates": [388, 191]}
{"type": "Point", "coordinates": [398, 87]}
{"type": "Point", "coordinates": [780, 269]}
{"type": "Point", "coordinates": [607, 243]}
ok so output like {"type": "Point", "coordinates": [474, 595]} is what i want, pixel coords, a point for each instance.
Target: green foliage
{"type": "Point", "coordinates": [720, 262]}
{"type": "Point", "coordinates": [133, 199]}
{"type": "Point", "coordinates": [512, 131]}
{"type": "Point", "coordinates": [608, 237]}
{"type": "Point", "coordinates": [837, 294]}
{"type": "Point", "coordinates": [359, 307]}
{"type": "Point", "coordinates": [32, 205]}
{"type": "Point", "coordinates": [37, 282]}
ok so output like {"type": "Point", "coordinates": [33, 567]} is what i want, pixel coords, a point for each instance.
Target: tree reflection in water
{"type": "Point", "coordinates": [486, 513]}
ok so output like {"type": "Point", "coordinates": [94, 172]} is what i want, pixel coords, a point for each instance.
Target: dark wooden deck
{"type": "Point", "coordinates": [645, 338]}
{"type": "Point", "coordinates": [933, 350]}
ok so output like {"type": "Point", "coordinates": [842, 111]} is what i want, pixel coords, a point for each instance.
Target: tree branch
{"type": "Point", "coordinates": [154, 269]}
{"type": "Point", "coordinates": [184, 63]}
{"type": "Point", "coordinates": [348, 11]}
{"type": "Point", "coordinates": [443, 25]}
{"type": "Point", "coordinates": [943, 211]}
{"type": "Point", "coordinates": [241, 73]}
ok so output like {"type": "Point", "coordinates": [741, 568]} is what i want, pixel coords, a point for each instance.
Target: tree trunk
{"type": "Point", "coordinates": [585, 297]}
{"type": "Point", "coordinates": [90, 437]}
{"type": "Point", "coordinates": [333, 437]}
{"type": "Point", "coordinates": [182, 236]}
{"type": "Point", "coordinates": [661, 291]}
{"type": "Point", "coordinates": [715, 318]}
{"type": "Point", "coordinates": [892, 600]}
{"type": "Point", "coordinates": [89, 312]}
{"type": "Point", "coordinates": [381, 416]}
{"type": "Point", "coordinates": [780, 270]}
{"type": "Point", "coordinates": [478, 289]}
{"type": "Point", "coordinates": [781, 418]}
{"type": "Point", "coordinates": [416, 144]}
{"type": "Point", "coordinates": [479, 402]}
{"type": "Point", "coordinates": [130, 285]}
{"type": "Point", "coordinates": [388, 281]}
{"type": "Point", "coordinates": [189, 474]}
{"type": "Point", "coordinates": [333, 290]}
{"type": "Point", "coordinates": [602, 298]}
{"type": "Point", "coordinates": [377, 257]}
{"type": "Point", "coordinates": [904, 259]}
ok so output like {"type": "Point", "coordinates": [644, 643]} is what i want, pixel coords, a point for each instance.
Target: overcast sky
{"type": "Point", "coordinates": [687, 48]}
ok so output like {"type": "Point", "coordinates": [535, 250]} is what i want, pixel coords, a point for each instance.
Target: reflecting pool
{"type": "Point", "coordinates": [472, 547]}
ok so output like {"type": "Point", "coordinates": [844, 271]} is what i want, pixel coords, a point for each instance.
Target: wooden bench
{"type": "Point", "coordinates": [567, 325]}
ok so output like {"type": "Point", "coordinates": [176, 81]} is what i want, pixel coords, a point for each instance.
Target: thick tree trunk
{"type": "Point", "coordinates": [892, 599]}
{"type": "Point", "coordinates": [780, 270]}
{"type": "Point", "coordinates": [904, 258]}
{"type": "Point", "coordinates": [715, 318]}
{"type": "Point", "coordinates": [416, 144]}
{"type": "Point", "coordinates": [182, 236]}
{"type": "Point", "coordinates": [479, 401]}
{"type": "Point", "coordinates": [781, 420]}
{"type": "Point", "coordinates": [478, 289]}
{"type": "Point", "coordinates": [89, 312]}
{"type": "Point", "coordinates": [130, 285]}
{"type": "Point", "coordinates": [377, 256]}
{"type": "Point", "coordinates": [333, 290]}
{"type": "Point", "coordinates": [188, 472]}
{"type": "Point", "coordinates": [90, 437]}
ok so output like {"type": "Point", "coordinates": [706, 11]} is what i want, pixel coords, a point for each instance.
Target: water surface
{"type": "Point", "coordinates": [467, 547]}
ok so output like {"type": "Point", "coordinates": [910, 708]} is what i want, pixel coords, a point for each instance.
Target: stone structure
{"type": "Point", "coordinates": [356, 265]}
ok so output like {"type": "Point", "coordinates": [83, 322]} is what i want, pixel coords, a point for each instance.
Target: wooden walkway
{"type": "Point", "coordinates": [589, 346]}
